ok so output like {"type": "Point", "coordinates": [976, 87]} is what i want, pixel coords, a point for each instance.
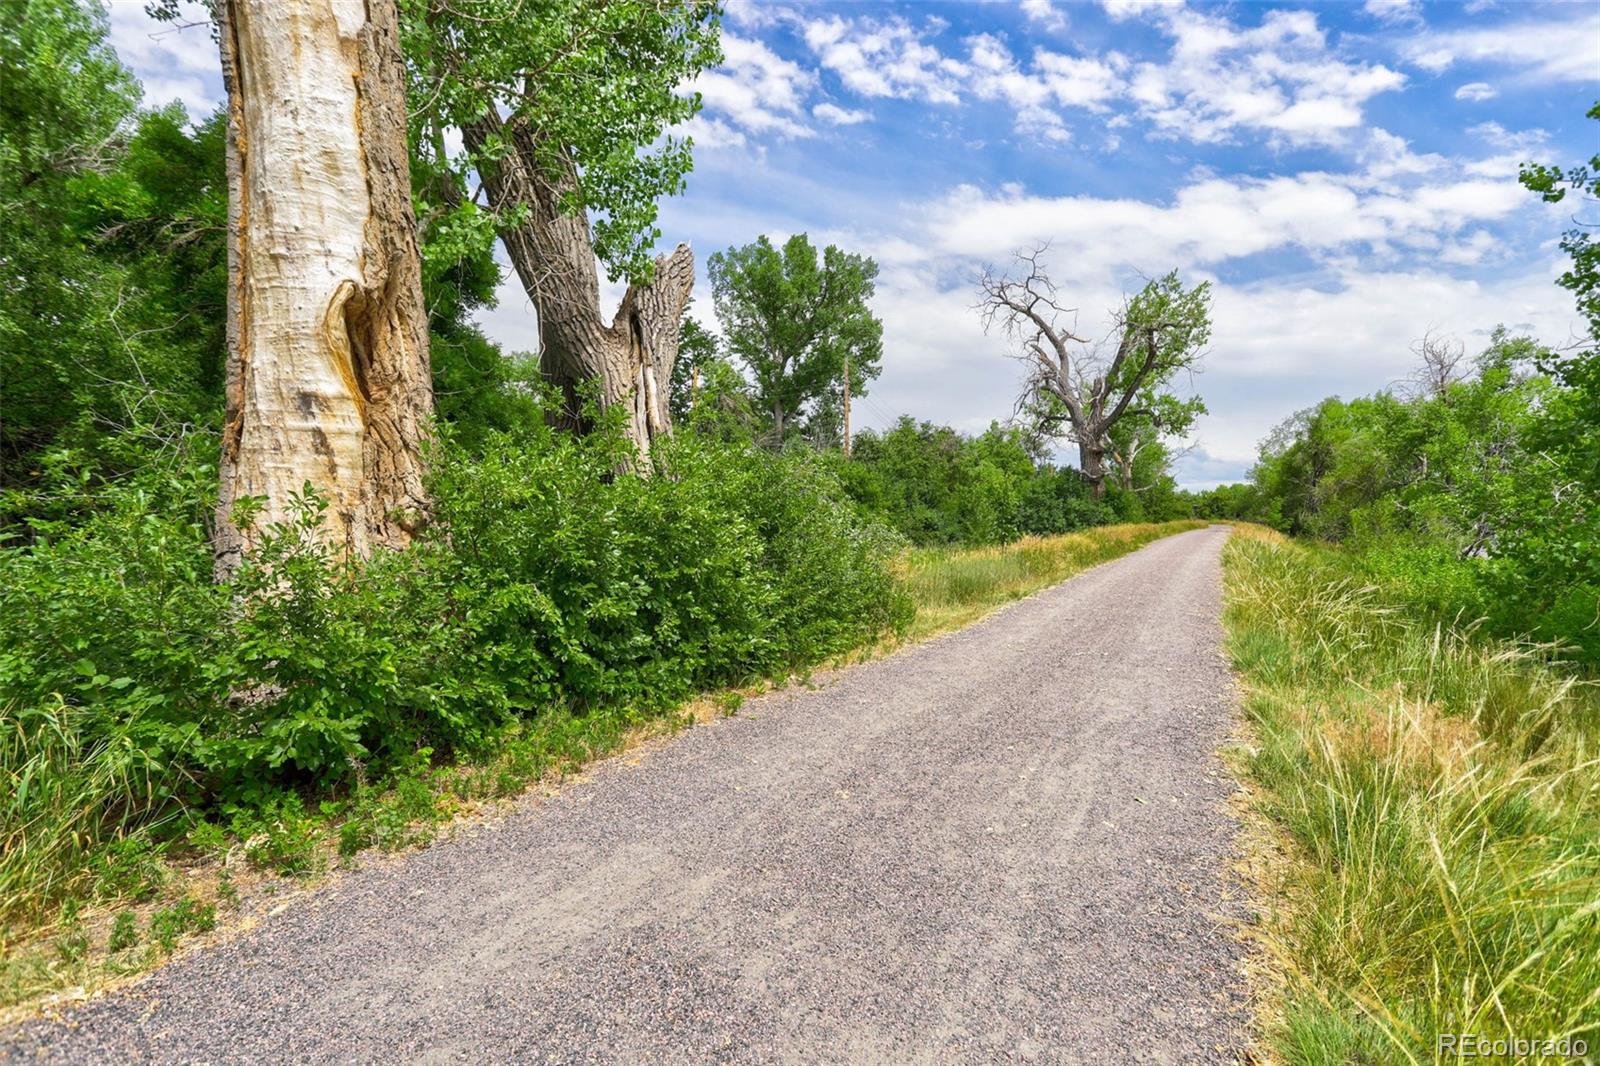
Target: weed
{"type": "Point", "coordinates": [279, 836]}
{"type": "Point", "coordinates": [171, 924]}
{"type": "Point", "coordinates": [124, 933]}
{"type": "Point", "coordinates": [72, 941]}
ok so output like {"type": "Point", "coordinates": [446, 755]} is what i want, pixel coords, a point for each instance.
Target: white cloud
{"type": "Point", "coordinates": [709, 132]}
{"type": "Point", "coordinates": [754, 14]}
{"type": "Point", "coordinates": [173, 60]}
{"type": "Point", "coordinates": [834, 115]}
{"type": "Point", "coordinates": [1119, 10]}
{"type": "Point", "coordinates": [1549, 48]}
{"type": "Point", "coordinates": [755, 90]}
{"type": "Point", "coordinates": [995, 75]}
{"type": "Point", "coordinates": [1080, 82]}
{"type": "Point", "coordinates": [1045, 13]}
{"type": "Point", "coordinates": [1476, 92]}
{"type": "Point", "coordinates": [884, 58]}
{"type": "Point", "coordinates": [1403, 11]}
{"type": "Point", "coordinates": [1280, 78]}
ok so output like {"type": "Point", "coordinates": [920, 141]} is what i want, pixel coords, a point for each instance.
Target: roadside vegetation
{"type": "Point", "coordinates": [115, 853]}
{"type": "Point", "coordinates": [952, 587]}
{"type": "Point", "coordinates": [1471, 491]}
{"type": "Point", "coordinates": [1427, 816]}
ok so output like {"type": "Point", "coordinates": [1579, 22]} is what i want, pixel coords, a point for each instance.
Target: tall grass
{"type": "Point", "coordinates": [954, 586]}
{"type": "Point", "coordinates": [65, 797]}
{"type": "Point", "coordinates": [1439, 796]}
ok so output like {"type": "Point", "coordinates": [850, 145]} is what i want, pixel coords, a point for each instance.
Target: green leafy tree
{"type": "Point", "coordinates": [697, 349]}
{"type": "Point", "coordinates": [1135, 444]}
{"type": "Point", "coordinates": [1463, 495]}
{"type": "Point", "coordinates": [65, 111]}
{"type": "Point", "coordinates": [567, 108]}
{"type": "Point", "coordinates": [796, 320]}
{"type": "Point", "coordinates": [1553, 184]}
{"type": "Point", "coordinates": [1567, 547]}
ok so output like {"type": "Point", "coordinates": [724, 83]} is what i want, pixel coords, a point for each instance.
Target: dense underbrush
{"type": "Point", "coordinates": [147, 708]}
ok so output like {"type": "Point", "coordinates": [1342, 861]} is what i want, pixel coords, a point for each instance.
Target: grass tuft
{"type": "Point", "coordinates": [1441, 799]}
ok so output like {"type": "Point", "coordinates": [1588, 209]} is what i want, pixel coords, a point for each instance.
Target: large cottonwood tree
{"type": "Point", "coordinates": [328, 380]}
{"type": "Point", "coordinates": [1078, 390]}
{"type": "Point", "coordinates": [799, 321]}
{"type": "Point", "coordinates": [565, 108]}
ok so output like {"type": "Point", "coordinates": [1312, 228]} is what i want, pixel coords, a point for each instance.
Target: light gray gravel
{"type": "Point", "coordinates": [1004, 845]}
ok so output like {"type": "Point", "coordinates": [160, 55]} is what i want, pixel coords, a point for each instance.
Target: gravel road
{"type": "Point", "coordinates": [1007, 844]}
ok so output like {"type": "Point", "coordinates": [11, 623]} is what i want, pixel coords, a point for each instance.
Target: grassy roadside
{"type": "Point", "coordinates": [1426, 806]}
{"type": "Point", "coordinates": [149, 902]}
{"type": "Point", "coordinates": [954, 587]}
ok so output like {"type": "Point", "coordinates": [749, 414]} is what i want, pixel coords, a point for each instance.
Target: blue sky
{"type": "Point", "coordinates": [1344, 174]}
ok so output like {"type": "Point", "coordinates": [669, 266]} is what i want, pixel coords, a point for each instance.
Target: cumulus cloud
{"type": "Point", "coordinates": [754, 90]}
{"type": "Point", "coordinates": [1044, 13]}
{"type": "Point", "coordinates": [1402, 11]}
{"type": "Point", "coordinates": [1120, 10]}
{"type": "Point", "coordinates": [884, 58]}
{"type": "Point", "coordinates": [1280, 78]}
{"type": "Point", "coordinates": [834, 115]}
{"type": "Point", "coordinates": [1401, 205]}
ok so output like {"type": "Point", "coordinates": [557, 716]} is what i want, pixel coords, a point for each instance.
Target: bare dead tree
{"type": "Point", "coordinates": [1439, 365]}
{"type": "Point", "coordinates": [1079, 390]}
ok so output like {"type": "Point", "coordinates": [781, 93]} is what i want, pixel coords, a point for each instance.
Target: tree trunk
{"type": "Point", "coordinates": [328, 377]}
{"type": "Point", "coordinates": [630, 361]}
{"type": "Point", "coordinates": [1092, 462]}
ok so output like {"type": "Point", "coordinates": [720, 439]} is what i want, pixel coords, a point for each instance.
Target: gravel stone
{"type": "Point", "coordinates": [1007, 844]}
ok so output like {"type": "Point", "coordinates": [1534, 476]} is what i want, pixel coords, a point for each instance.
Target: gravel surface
{"type": "Point", "coordinates": [1007, 844]}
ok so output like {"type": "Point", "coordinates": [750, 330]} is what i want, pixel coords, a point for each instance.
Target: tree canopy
{"type": "Point", "coordinates": [597, 87]}
{"type": "Point", "coordinates": [795, 320]}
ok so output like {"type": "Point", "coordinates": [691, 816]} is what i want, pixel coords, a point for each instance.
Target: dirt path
{"type": "Point", "coordinates": [1006, 844]}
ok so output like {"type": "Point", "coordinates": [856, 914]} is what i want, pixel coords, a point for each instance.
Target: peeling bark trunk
{"type": "Point", "coordinates": [631, 359]}
{"type": "Point", "coordinates": [328, 378]}
{"type": "Point", "coordinates": [1092, 462]}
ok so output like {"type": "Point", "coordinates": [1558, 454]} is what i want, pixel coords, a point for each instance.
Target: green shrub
{"type": "Point", "coordinates": [142, 696]}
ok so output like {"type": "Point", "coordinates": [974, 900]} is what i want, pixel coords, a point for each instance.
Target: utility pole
{"type": "Point", "coordinates": [847, 407]}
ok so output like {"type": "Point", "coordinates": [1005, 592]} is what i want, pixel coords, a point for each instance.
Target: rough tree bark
{"type": "Point", "coordinates": [631, 358]}
{"type": "Point", "coordinates": [328, 379]}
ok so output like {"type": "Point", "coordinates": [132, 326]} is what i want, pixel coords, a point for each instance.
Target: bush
{"type": "Point", "coordinates": [136, 689]}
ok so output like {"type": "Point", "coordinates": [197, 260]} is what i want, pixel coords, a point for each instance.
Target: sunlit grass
{"type": "Point", "coordinates": [954, 586]}
{"type": "Point", "coordinates": [1439, 796]}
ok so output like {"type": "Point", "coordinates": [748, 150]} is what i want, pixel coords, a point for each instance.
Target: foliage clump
{"type": "Point", "coordinates": [136, 687]}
